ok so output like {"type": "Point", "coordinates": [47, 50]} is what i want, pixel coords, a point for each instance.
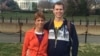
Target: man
{"type": "Point", "coordinates": [62, 35]}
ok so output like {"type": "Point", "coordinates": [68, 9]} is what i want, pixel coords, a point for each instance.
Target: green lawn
{"type": "Point", "coordinates": [14, 49]}
{"type": "Point", "coordinates": [10, 49]}
{"type": "Point", "coordinates": [16, 15]}
{"type": "Point", "coordinates": [89, 50]}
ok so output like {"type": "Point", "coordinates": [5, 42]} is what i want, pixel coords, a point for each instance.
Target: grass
{"type": "Point", "coordinates": [10, 49]}
{"type": "Point", "coordinates": [14, 49]}
{"type": "Point", "coordinates": [16, 15]}
{"type": "Point", "coordinates": [89, 50]}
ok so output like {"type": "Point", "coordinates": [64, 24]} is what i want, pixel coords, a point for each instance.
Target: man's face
{"type": "Point", "coordinates": [58, 11]}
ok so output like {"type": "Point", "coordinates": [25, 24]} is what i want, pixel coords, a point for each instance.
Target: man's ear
{"type": "Point", "coordinates": [53, 10]}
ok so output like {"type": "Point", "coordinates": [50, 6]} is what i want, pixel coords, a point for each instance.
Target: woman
{"type": "Point", "coordinates": [36, 39]}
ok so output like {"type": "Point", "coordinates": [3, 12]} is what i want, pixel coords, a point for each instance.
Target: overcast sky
{"type": "Point", "coordinates": [55, 0]}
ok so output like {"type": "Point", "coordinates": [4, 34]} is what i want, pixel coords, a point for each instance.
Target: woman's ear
{"type": "Point", "coordinates": [34, 23]}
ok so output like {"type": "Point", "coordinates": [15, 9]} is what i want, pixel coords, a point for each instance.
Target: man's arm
{"type": "Point", "coordinates": [46, 26]}
{"type": "Point", "coordinates": [75, 42]}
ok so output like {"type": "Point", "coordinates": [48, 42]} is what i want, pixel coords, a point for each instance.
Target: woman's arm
{"type": "Point", "coordinates": [25, 44]}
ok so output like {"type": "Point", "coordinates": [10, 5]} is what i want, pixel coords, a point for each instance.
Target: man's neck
{"type": "Point", "coordinates": [58, 19]}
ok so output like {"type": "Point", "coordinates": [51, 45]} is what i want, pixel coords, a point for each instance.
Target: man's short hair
{"type": "Point", "coordinates": [58, 3]}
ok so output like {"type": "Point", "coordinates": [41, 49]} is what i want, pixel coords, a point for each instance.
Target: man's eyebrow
{"type": "Point", "coordinates": [58, 9]}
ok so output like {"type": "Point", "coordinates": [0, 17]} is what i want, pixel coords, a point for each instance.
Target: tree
{"type": "Point", "coordinates": [77, 7]}
{"type": "Point", "coordinates": [34, 6]}
{"type": "Point", "coordinates": [1, 1]}
{"type": "Point", "coordinates": [83, 8]}
{"type": "Point", "coordinates": [70, 8]}
{"type": "Point", "coordinates": [44, 5]}
{"type": "Point", "coordinates": [12, 5]}
{"type": "Point", "coordinates": [2, 5]}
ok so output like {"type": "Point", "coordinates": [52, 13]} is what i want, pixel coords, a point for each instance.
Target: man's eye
{"type": "Point", "coordinates": [38, 20]}
{"type": "Point", "coordinates": [59, 9]}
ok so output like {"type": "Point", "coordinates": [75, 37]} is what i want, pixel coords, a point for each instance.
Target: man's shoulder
{"type": "Point", "coordinates": [46, 25]}
{"type": "Point", "coordinates": [68, 22]}
{"type": "Point", "coordinates": [47, 22]}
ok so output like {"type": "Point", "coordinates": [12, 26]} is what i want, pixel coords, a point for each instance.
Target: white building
{"type": "Point", "coordinates": [26, 4]}
{"type": "Point", "coordinates": [95, 6]}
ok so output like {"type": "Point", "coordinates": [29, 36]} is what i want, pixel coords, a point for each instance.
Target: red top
{"type": "Point", "coordinates": [31, 46]}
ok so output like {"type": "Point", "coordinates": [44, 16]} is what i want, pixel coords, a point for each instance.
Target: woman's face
{"type": "Point", "coordinates": [39, 22]}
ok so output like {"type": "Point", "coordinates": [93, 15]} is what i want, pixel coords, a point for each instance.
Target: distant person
{"type": "Point", "coordinates": [62, 34]}
{"type": "Point", "coordinates": [36, 39]}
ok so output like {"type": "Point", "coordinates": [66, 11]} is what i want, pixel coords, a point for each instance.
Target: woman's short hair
{"type": "Point", "coordinates": [39, 14]}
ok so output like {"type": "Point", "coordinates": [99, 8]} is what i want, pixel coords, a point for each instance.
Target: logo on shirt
{"type": "Point", "coordinates": [62, 34]}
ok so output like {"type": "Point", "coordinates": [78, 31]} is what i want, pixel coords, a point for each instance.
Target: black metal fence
{"type": "Point", "coordinates": [27, 20]}
{"type": "Point", "coordinates": [20, 35]}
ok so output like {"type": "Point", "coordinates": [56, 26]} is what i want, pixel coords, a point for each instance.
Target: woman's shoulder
{"type": "Point", "coordinates": [30, 30]}
{"type": "Point", "coordinates": [45, 30]}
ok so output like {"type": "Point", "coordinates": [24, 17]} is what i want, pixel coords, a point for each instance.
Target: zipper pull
{"type": "Point", "coordinates": [56, 33]}
{"type": "Point", "coordinates": [55, 42]}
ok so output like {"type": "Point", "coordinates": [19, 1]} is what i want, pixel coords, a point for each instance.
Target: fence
{"type": "Point", "coordinates": [27, 20]}
{"type": "Point", "coordinates": [21, 26]}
